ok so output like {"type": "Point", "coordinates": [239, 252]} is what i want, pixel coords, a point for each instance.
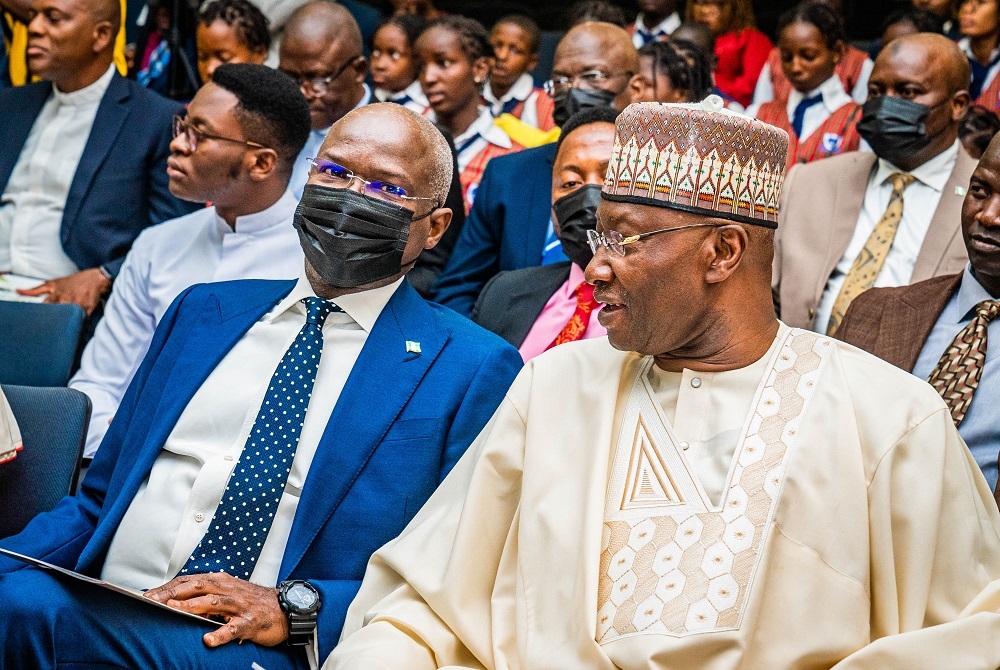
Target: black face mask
{"type": "Point", "coordinates": [576, 213]}
{"type": "Point", "coordinates": [351, 239]}
{"type": "Point", "coordinates": [578, 99]}
{"type": "Point", "coordinates": [895, 128]}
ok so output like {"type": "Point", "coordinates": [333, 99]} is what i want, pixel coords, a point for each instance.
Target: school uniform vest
{"type": "Point", "coordinates": [837, 135]}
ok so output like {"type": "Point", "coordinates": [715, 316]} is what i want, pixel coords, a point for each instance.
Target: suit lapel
{"type": "Point", "coordinates": [366, 409]}
{"type": "Point", "coordinates": [849, 198]}
{"type": "Point", "coordinates": [540, 201]}
{"type": "Point", "coordinates": [20, 118]}
{"type": "Point", "coordinates": [946, 224]}
{"type": "Point", "coordinates": [909, 320]}
{"type": "Point", "coordinates": [108, 123]}
{"type": "Point", "coordinates": [529, 298]}
{"type": "Point", "coordinates": [223, 321]}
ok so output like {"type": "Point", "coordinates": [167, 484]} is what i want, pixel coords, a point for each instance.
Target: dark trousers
{"type": "Point", "coordinates": [56, 622]}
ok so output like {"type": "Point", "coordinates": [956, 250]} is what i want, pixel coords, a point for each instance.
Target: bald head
{"type": "Point", "coordinates": [936, 52]}
{"type": "Point", "coordinates": [597, 42]}
{"type": "Point", "coordinates": [323, 22]}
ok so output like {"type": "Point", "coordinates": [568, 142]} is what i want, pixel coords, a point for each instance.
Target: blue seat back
{"type": "Point", "coordinates": [38, 342]}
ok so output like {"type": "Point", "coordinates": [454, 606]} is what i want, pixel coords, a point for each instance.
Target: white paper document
{"type": "Point", "coordinates": [9, 283]}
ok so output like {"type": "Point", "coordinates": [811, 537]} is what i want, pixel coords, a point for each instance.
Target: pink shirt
{"type": "Point", "coordinates": [556, 314]}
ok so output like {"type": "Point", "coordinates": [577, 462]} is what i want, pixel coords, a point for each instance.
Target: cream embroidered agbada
{"type": "Point", "coordinates": [853, 528]}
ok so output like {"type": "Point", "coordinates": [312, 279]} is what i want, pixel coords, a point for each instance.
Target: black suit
{"type": "Point", "coordinates": [512, 301]}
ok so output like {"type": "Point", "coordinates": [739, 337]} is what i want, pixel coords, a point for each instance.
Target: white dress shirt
{"type": "Point", "coordinates": [834, 97]}
{"type": "Point", "coordinates": [481, 133]}
{"type": "Point", "coordinates": [412, 97]}
{"type": "Point", "coordinates": [165, 260]}
{"type": "Point", "coordinates": [920, 200]}
{"type": "Point", "coordinates": [764, 91]}
{"type": "Point", "coordinates": [31, 209]}
{"type": "Point", "coordinates": [174, 506]}
{"type": "Point", "coordinates": [522, 88]}
{"type": "Point", "coordinates": [302, 166]}
{"type": "Point", "coordinates": [659, 32]}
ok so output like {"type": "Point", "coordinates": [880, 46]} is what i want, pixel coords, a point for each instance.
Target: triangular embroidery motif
{"type": "Point", "coordinates": [648, 483]}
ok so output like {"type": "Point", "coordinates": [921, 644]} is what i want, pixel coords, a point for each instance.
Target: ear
{"type": "Point", "coordinates": [960, 105]}
{"type": "Point", "coordinates": [104, 36]}
{"type": "Point", "coordinates": [481, 68]}
{"type": "Point", "coordinates": [360, 69]}
{"type": "Point", "coordinates": [258, 55]}
{"type": "Point", "coordinates": [532, 63]}
{"type": "Point", "coordinates": [261, 163]}
{"type": "Point", "coordinates": [440, 219]}
{"type": "Point", "coordinates": [839, 51]}
{"type": "Point", "coordinates": [636, 87]}
{"type": "Point", "coordinates": [680, 95]}
{"type": "Point", "coordinates": [728, 245]}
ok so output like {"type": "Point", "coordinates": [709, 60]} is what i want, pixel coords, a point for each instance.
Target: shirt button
{"type": "Point", "coordinates": [684, 446]}
{"type": "Point", "coordinates": [199, 517]}
{"type": "Point", "coordinates": [696, 382]}
{"type": "Point", "coordinates": [227, 458]}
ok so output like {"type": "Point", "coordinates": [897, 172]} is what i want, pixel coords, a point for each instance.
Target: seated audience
{"type": "Point", "coordinates": [902, 22]}
{"type": "Point", "coordinates": [156, 65]}
{"type": "Point", "coordinates": [511, 227]}
{"type": "Point", "coordinates": [818, 115]}
{"type": "Point", "coordinates": [657, 19]}
{"type": "Point", "coordinates": [230, 31]}
{"type": "Point", "coordinates": [853, 68]}
{"type": "Point", "coordinates": [705, 487]}
{"type": "Point", "coordinates": [601, 11]}
{"type": "Point", "coordinates": [979, 21]}
{"type": "Point", "coordinates": [371, 392]}
{"type": "Point", "coordinates": [321, 49]}
{"type": "Point", "coordinates": [702, 36]}
{"type": "Point", "coordinates": [234, 149]}
{"type": "Point", "coordinates": [280, 12]}
{"type": "Point", "coordinates": [510, 88]}
{"type": "Point", "coordinates": [977, 129]}
{"type": "Point", "coordinates": [455, 55]}
{"type": "Point", "coordinates": [886, 218]}
{"type": "Point", "coordinates": [740, 49]}
{"type": "Point", "coordinates": [10, 435]}
{"type": "Point", "coordinates": [82, 157]}
{"type": "Point", "coordinates": [539, 307]}
{"type": "Point", "coordinates": [394, 63]}
{"type": "Point", "coordinates": [945, 11]}
{"type": "Point", "coordinates": [939, 328]}
{"type": "Point", "coordinates": [425, 9]}
{"type": "Point", "coordinates": [672, 71]}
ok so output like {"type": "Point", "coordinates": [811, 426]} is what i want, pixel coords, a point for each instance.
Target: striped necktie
{"type": "Point", "coordinates": [957, 374]}
{"type": "Point", "coordinates": [867, 266]}
{"type": "Point", "coordinates": [233, 541]}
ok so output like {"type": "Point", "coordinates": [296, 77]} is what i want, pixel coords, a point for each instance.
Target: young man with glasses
{"type": "Point", "coordinates": [276, 434]}
{"type": "Point", "coordinates": [245, 233]}
{"type": "Point", "coordinates": [321, 50]}
{"type": "Point", "coordinates": [706, 487]}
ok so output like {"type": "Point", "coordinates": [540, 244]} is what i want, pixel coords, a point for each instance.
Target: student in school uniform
{"type": "Point", "coordinates": [510, 88]}
{"type": "Point", "coordinates": [456, 55]}
{"type": "Point", "coordinates": [394, 66]}
{"type": "Point", "coordinates": [979, 22]}
{"type": "Point", "coordinates": [819, 116]}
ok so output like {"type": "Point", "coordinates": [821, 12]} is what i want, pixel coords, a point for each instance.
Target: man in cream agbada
{"type": "Point", "coordinates": [706, 488]}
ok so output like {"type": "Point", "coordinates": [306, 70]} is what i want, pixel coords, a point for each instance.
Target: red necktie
{"type": "Point", "coordinates": [577, 325]}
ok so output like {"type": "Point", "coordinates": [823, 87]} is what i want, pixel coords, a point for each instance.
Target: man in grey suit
{"type": "Point", "coordinates": [885, 219]}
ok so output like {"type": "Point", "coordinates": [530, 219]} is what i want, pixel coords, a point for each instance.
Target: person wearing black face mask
{"type": "Point", "coordinates": [318, 413]}
{"type": "Point", "coordinates": [888, 218]}
{"type": "Point", "coordinates": [540, 307]}
{"type": "Point", "coordinates": [509, 226]}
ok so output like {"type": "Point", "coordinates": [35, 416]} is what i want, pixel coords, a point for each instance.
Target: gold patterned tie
{"type": "Point", "coordinates": [958, 372]}
{"type": "Point", "coordinates": [867, 266]}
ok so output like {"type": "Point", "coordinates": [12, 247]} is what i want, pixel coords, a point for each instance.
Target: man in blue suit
{"type": "Point", "coordinates": [276, 434]}
{"type": "Point", "coordinates": [509, 226]}
{"type": "Point", "coordinates": [82, 156]}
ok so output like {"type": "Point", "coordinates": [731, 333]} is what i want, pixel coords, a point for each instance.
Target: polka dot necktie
{"type": "Point", "coordinates": [243, 519]}
{"type": "Point", "coordinates": [867, 266]}
{"type": "Point", "coordinates": [957, 374]}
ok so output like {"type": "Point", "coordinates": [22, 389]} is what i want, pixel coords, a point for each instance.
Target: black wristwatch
{"type": "Point", "coordinates": [300, 602]}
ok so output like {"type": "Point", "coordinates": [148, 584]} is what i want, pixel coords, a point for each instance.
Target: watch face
{"type": "Point", "coordinates": [300, 596]}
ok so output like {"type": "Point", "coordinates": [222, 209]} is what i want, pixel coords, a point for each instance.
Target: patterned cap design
{"type": "Point", "coordinates": [698, 158]}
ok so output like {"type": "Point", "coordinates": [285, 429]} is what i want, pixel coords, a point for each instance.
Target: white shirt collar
{"type": "Point", "coordinates": [834, 96]}
{"type": "Point", "coordinates": [364, 307]}
{"type": "Point", "coordinates": [366, 98]}
{"type": "Point", "coordinates": [280, 213]}
{"type": "Point", "coordinates": [414, 92]}
{"type": "Point", "coordinates": [665, 27]}
{"type": "Point", "coordinates": [88, 94]}
{"type": "Point", "coordinates": [966, 46]}
{"type": "Point", "coordinates": [934, 173]}
{"type": "Point", "coordinates": [521, 89]}
{"type": "Point", "coordinates": [485, 127]}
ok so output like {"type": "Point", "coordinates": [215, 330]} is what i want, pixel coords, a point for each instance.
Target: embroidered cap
{"type": "Point", "coordinates": [698, 158]}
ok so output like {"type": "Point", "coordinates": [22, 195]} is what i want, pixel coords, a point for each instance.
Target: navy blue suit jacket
{"type": "Point", "coordinates": [400, 424]}
{"type": "Point", "coordinates": [120, 185]}
{"type": "Point", "coordinates": [505, 229]}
